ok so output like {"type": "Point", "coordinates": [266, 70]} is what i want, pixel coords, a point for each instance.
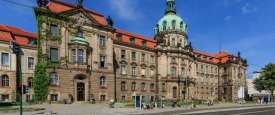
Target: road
{"type": "Point", "coordinates": [248, 110]}
{"type": "Point", "coordinates": [255, 111]}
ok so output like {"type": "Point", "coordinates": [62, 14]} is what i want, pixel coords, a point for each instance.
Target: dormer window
{"type": "Point", "coordinates": [181, 25]}
{"type": "Point", "coordinates": [133, 40]}
{"type": "Point", "coordinates": [119, 37]}
{"type": "Point", "coordinates": [164, 24]}
{"type": "Point", "coordinates": [32, 42]}
{"type": "Point", "coordinates": [144, 43]}
{"type": "Point", "coordinates": [174, 24]}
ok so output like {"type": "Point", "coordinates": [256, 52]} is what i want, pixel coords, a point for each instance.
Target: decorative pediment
{"type": "Point", "coordinates": [80, 17]}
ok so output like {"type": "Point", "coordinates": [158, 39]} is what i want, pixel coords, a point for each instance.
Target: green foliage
{"type": "Point", "coordinates": [266, 81]}
{"type": "Point", "coordinates": [259, 84]}
{"type": "Point", "coordinates": [40, 83]}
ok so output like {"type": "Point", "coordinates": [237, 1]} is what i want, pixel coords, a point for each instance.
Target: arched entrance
{"type": "Point", "coordinates": [80, 87]}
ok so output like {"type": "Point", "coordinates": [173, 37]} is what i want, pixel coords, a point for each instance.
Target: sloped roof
{"type": "Point", "coordinates": [10, 33]}
{"type": "Point", "coordinates": [58, 6]}
{"type": "Point", "coordinates": [126, 36]}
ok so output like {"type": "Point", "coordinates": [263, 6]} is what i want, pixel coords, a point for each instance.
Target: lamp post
{"type": "Point", "coordinates": [186, 79]}
{"type": "Point", "coordinates": [16, 49]}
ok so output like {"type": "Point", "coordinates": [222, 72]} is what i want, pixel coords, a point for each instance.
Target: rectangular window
{"type": "Point", "coordinates": [123, 54]}
{"type": "Point", "coordinates": [173, 72]}
{"type": "Point", "coordinates": [74, 59]}
{"type": "Point", "coordinates": [142, 57]}
{"type": "Point", "coordinates": [102, 97]}
{"type": "Point", "coordinates": [54, 55]}
{"type": "Point", "coordinates": [5, 98]}
{"type": "Point", "coordinates": [5, 59]}
{"type": "Point", "coordinates": [80, 56]}
{"type": "Point", "coordinates": [30, 63]}
{"type": "Point", "coordinates": [54, 31]}
{"type": "Point", "coordinates": [123, 86]}
{"type": "Point", "coordinates": [101, 41]}
{"type": "Point", "coordinates": [152, 87]}
{"type": "Point", "coordinates": [152, 72]}
{"type": "Point", "coordinates": [133, 87]}
{"type": "Point", "coordinates": [102, 61]}
{"type": "Point", "coordinates": [123, 98]}
{"type": "Point", "coordinates": [143, 85]}
{"type": "Point", "coordinates": [133, 56]}
{"type": "Point", "coordinates": [54, 97]}
{"type": "Point", "coordinates": [133, 71]}
{"type": "Point", "coordinates": [142, 72]}
{"type": "Point", "coordinates": [152, 59]}
{"type": "Point", "coordinates": [123, 70]}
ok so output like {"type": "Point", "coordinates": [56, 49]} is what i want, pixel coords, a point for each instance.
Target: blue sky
{"type": "Point", "coordinates": [239, 25]}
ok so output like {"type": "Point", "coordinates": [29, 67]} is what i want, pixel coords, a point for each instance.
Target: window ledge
{"type": "Point", "coordinates": [54, 85]}
{"type": "Point", "coordinates": [103, 87]}
{"type": "Point", "coordinates": [5, 87]}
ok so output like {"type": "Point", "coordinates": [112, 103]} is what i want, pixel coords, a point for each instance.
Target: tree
{"type": "Point", "coordinates": [258, 84]}
{"type": "Point", "coordinates": [40, 83]}
{"type": "Point", "coordinates": [266, 81]}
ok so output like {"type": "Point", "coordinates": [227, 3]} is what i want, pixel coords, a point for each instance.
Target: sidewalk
{"type": "Point", "coordinates": [103, 109]}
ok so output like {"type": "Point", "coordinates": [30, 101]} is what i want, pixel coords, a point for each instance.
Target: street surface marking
{"type": "Point", "coordinates": [223, 110]}
{"type": "Point", "coordinates": [252, 112]}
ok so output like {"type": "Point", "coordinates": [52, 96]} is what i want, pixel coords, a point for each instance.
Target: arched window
{"type": "Point", "coordinates": [54, 79]}
{"type": "Point", "coordinates": [103, 81]}
{"type": "Point", "coordinates": [173, 71]}
{"type": "Point", "coordinates": [5, 81]}
{"type": "Point", "coordinates": [164, 25]}
{"type": "Point", "coordinates": [174, 24]}
{"type": "Point", "coordinates": [174, 92]}
{"type": "Point", "coordinates": [123, 86]}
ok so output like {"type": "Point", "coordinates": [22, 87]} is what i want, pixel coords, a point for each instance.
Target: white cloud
{"type": "Point", "coordinates": [125, 9]}
{"type": "Point", "coordinates": [247, 8]}
{"type": "Point", "coordinates": [226, 18]}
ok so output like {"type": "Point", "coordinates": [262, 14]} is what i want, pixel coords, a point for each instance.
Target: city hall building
{"type": "Point", "coordinates": [89, 59]}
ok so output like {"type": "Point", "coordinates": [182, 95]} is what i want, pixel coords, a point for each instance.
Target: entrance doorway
{"type": "Point", "coordinates": [80, 91]}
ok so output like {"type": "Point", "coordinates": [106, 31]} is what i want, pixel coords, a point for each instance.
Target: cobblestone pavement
{"type": "Point", "coordinates": [103, 109]}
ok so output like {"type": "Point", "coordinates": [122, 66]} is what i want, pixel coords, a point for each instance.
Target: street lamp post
{"type": "Point", "coordinates": [19, 85]}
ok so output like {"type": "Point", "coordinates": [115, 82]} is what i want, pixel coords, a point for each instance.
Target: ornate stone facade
{"type": "Point", "coordinates": [83, 52]}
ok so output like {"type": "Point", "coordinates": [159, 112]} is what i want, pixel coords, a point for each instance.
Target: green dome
{"type": "Point", "coordinates": [170, 22]}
